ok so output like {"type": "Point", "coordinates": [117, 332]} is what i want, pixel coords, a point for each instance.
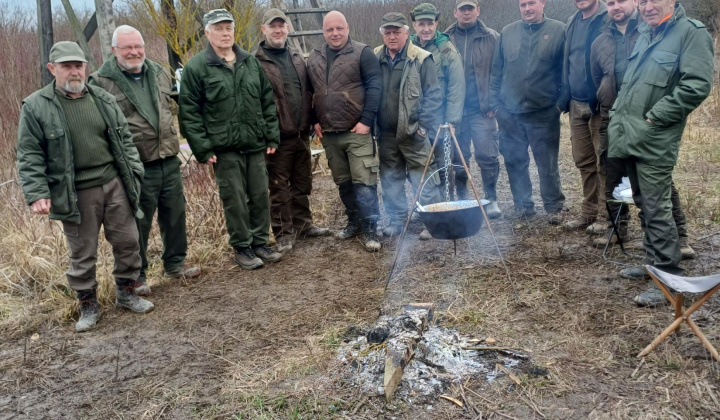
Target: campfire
{"type": "Point", "coordinates": [409, 358]}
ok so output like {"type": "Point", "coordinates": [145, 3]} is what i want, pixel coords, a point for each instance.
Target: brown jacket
{"type": "Point", "coordinates": [152, 142]}
{"type": "Point", "coordinates": [339, 97]}
{"type": "Point", "coordinates": [288, 127]}
{"type": "Point", "coordinates": [482, 57]}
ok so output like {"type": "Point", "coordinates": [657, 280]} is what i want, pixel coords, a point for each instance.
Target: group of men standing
{"type": "Point", "coordinates": [105, 153]}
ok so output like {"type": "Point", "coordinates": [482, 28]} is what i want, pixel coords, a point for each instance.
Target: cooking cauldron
{"type": "Point", "coordinates": [453, 219]}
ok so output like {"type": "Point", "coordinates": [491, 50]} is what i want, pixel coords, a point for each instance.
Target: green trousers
{"type": "Point", "coordinates": [242, 180]}
{"type": "Point", "coordinates": [162, 190]}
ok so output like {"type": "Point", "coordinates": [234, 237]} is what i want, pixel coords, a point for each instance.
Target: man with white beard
{"type": "Point", "coordinates": [142, 90]}
{"type": "Point", "coordinates": [78, 164]}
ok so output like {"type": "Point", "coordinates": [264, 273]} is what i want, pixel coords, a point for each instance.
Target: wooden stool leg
{"type": "Point", "coordinates": [703, 339]}
{"type": "Point", "coordinates": [678, 310]}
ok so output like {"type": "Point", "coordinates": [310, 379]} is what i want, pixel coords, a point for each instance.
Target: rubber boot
{"type": "Point", "coordinates": [686, 250]}
{"type": "Point", "coordinates": [354, 222]}
{"type": "Point", "coordinates": [89, 310]}
{"type": "Point", "coordinates": [369, 228]}
{"type": "Point", "coordinates": [125, 297]}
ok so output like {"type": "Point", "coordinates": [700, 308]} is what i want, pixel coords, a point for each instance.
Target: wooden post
{"type": "Point", "coordinates": [45, 38]}
{"type": "Point", "coordinates": [79, 36]}
{"type": "Point", "coordinates": [106, 26]}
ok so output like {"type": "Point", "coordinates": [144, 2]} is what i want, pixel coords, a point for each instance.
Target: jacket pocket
{"type": "Point", "coordinates": [413, 87]}
{"type": "Point", "coordinates": [663, 66]}
{"type": "Point", "coordinates": [56, 143]}
{"type": "Point", "coordinates": [215, 90]}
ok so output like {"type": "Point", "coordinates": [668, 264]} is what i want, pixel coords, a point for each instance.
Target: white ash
{"type": "Point", "coordinates": [439, 360]}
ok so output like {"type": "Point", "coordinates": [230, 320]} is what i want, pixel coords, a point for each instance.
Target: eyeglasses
{"type": "Point", "coordinates": [131, 47]}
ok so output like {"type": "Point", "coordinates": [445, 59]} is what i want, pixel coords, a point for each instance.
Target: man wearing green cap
{"type": "Point", "coordinates": [142, 90]}
{"type": "Point", "coordinates": [228, 115]}
{"type": "Point", "coordinates": [448, 63]}
{"type": "Point", "coordinates": [524, 89]}
{"type": "Point", "coordinates": [77, 163]}
{"type": "Point", "coordinates": [408, 119]}
{"type": "Point", "coordinates": [476, 44]}
{"type": "Point", "coordinates": [289, 168]}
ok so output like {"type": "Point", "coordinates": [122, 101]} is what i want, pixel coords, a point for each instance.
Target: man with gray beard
{"type": "Point", "coordinates": [78, 164]}
{"type": "Point", "coordinates": [142, 90]}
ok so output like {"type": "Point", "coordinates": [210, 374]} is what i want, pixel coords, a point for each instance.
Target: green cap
{"type": "Point", "coordinates": [425, 11]}
{"type": "Point", "coordinates": [273, 14]}
{"type": "Point", "coordinates": [66, 51]}
{"type": "Point", "coordinates": [217, 15]}
{"type": "Point", "coordinates": [461, 3]}
{"type": "Point", "coordinates": [395, 19]}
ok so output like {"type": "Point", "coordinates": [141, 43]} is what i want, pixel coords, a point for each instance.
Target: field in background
{"type": "Point", "coordinates": [277, 343]}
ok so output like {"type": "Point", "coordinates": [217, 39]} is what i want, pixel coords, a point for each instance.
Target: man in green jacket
{"type": "Point", "coordinates": [77, 163]}
{"type": "Point", "coordinates": [669, 74]}
{"type": "Point", "coordinates": [524, 88]}
{"type": "Point", "coordinates": [408, 118]}
{"type": "Point", "coordinates": [476, 44]}
{"type": "Point", "coordinates": [142, 90]}
{"type": "Point", "coordinates": [289, 169]}
{"type": "Point", "coordinates": [228, 115]}
{"type": "Point", "coordinates": [451, 76]}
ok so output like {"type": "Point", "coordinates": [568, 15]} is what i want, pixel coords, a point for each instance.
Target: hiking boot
{"type": "Point", "coordinates": [598, 228]}
{"type": "Point", "coordinates": [141, 288]}
{"type": "Point", "coordinates": [555, 218]}
{"type": "Point", "coordinates": [89, 310]}
{"type": "Point", "coordinates": [313, 232]}
{"type": "Point", "coordinates": [492, 210]}
{"type": "Point", "coordinates": [602, 241]}
{"type": "Point", "coordinates": [125, 297]}
{"type": "Point", "coordinates": [425, 235]}
{"type": "Point", "coordinates": [578, 223]}
{"type": "Point", "coordinates": [634, 273]}
{"type": "Point", "coordinates": [686, 250]}
{"type": "Point", "coordinates": [246, 258]}
{"type": "Point", "coordinates": [651, 298]}
{"type": "Point", "coordinates": [351, 229]}
{"type": "Point", "coordinates": [392, 230]}
{"type": "Point", "coordinates": [183, 272]}
{"type": "Point", "coordinates": [526, 213]}
{"type": "Point", "coordinates": [372, 244]}
{"type": "Point", "coordinates": [267, 254]}
{"type": "Point", "coordinates": [284, 244]}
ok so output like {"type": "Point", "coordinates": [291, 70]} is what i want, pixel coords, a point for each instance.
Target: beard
{"type": "Point", "coordinates": [74, 86]}
{"type": "Point", "coordinates": [129, 67]}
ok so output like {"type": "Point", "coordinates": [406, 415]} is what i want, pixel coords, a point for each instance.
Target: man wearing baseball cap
{"type": "Point", "coordinates": [289, 168]}
{"type": "Point", "coordinates": [449, 66]}
{"type": "Point", "coordinates": [78, 164]}
{"type": "Point", "coordinates": [476, 44]}
{"type": "Point", "coordinates": [407, 121]}
{"type": "Point", "coordinates": [228, 116]}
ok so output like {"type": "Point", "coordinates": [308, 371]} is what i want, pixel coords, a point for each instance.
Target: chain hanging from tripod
{"type": "Point", "coordinates": [448, 162]}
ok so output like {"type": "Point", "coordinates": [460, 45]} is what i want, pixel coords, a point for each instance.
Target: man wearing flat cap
{"type": "Point", "coordinates": [408, 120]}
{"type": "Point", "coordinates": [289, 168]}
{"type": "Point", "coordinates": [450, 72]}
{"type": "Point", "coordinates": [476, 43]}
{"type": "Point", "coordinates": [78, 164]}
{"type": "Point", "coordinates": [228, 116]}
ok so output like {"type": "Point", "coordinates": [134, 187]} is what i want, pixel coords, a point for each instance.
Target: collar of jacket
{"type": "Point", "coordinates": [214, 60]}
{"type": "Point", "coordinates": [438, 39]}
{"type": "Point", "coordinates": [111, 69]}
{"type": "Point", "coordinates": [480, 30]}
{"type": "Point", "coordinates": [347, 49]}
{"type": "Point", "coordinates": [49, 92]}
{"type": "Point", "coordinates": [677, 14]}
{"type": "Point", "coordinates": [261, 54]}
{"type": "Point", "coordinates": [534, 26]}
{"type": "Point", "coordinates": [411, 51]}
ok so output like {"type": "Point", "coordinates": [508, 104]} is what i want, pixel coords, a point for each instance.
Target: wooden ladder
{"type": "Point", "coordinates": [297, 34]}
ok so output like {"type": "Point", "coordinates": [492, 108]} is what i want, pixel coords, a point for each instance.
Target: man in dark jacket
{"type": "Point", "coordinates": [407, 120]}
{"type": "Point", "coordinates": [228, 115]}
{"type": "Point", "coordinates": [608, 61]}
{"type": "Point", "coordinates": [669, 74]}
{"type": "Point", "coordinates": [77, 163]}
{"type": "Point", "coordinates": [450, 72]}
{"type": "Point", "coordinates": [578, 98]}
{"type": "Point", "coordinates": [142, 90]}
{"type": "Point", "coordinates": [476, 44]}
{"type": "Point", "coordinates": [347, 86]}
{"type": "Point", "coordinates": [289, 168]}
{"type": "Point", "coordinates": [524, 88]}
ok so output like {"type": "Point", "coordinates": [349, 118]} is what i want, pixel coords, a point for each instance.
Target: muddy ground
{"type": "Point", "coordinates": [237, 344]}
